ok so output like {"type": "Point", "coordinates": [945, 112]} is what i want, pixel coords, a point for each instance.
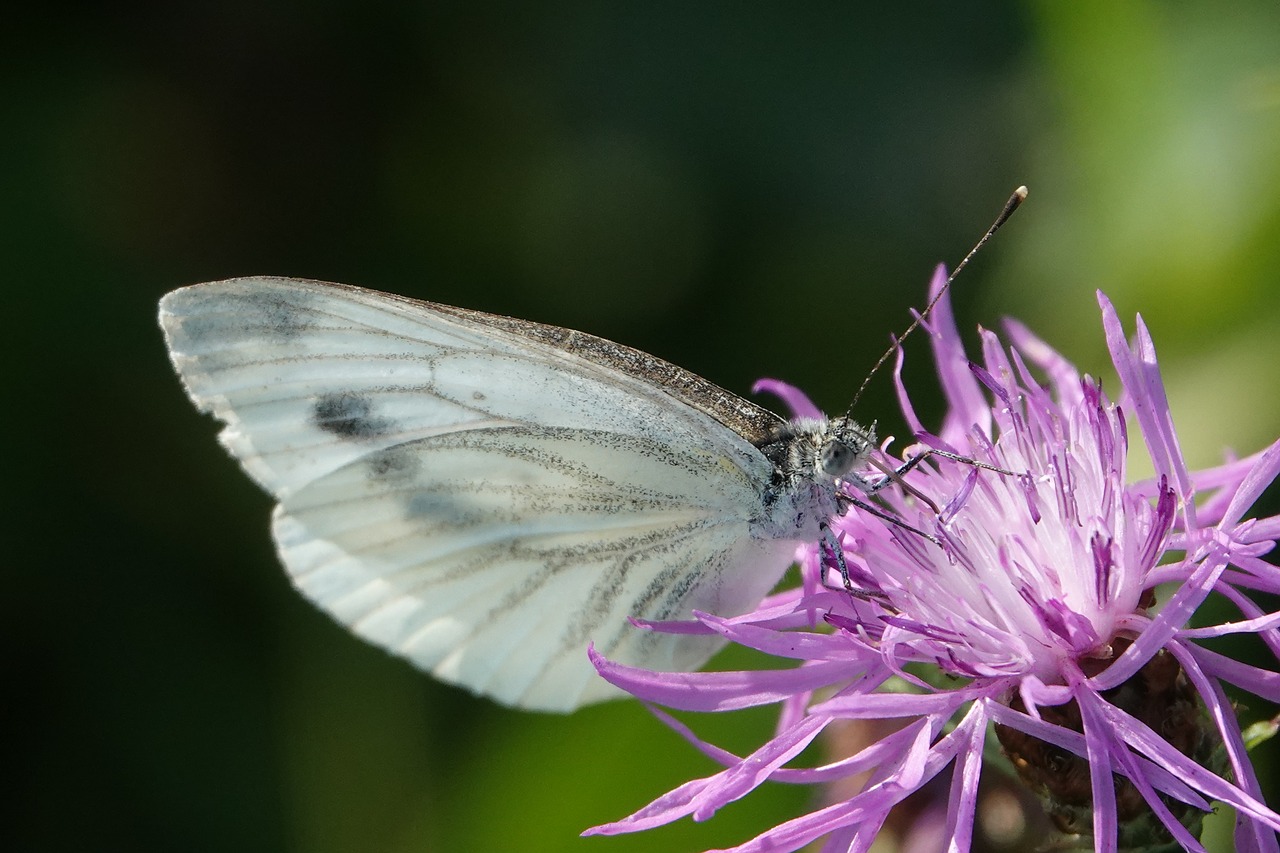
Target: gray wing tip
{"type": "Point", "coordinates": [172, 302]}
{"type": "Point", "coordinates": [198, 298]}
{"type": "Point", "coordinates": [210, 296]}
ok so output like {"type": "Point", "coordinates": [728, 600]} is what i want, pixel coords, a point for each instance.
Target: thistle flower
{"type": "Point", "coordinates": [1052, 610]}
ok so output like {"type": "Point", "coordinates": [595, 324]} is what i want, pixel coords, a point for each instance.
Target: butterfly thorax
{"type": "Point", "coordinates": [810, 457]}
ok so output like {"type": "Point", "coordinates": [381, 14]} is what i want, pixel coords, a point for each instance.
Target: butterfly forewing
{"type": "Point", "coordinates": [311, 376]}
{"type": "Point", "coordinates": [477, 494]}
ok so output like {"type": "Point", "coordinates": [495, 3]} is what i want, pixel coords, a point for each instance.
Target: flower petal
{"type": "Point", "coordinates": [795, 399]}
{"type": "Point", "coordinates": [717, 691]}
{"type": "Point", "coordinates": [1098, 742]}
{"type": "Point", "coordinates": [737, 781]}
{"type": "Point", "coordinates": [882, 706]}
{"type": "Point", "coordinates": [963, 801]}
{"type": "Point", "coordinates": [801, 645]}
{"type": "Point", "coordinates": [1262, 474]}
{"type": "Point", "coordinates": [1062, 374]}
{"type": "Point", "coordinates": [1140, 375]}
{"type": "Point", "coordinates": [1165, 625]}
{"type": "Point", "coordinates": [1093, 711]}
{"type": "Point", "coordinates": [1249, 834]}
{"type": "Point", "coordinates": [1140, 736]}
{"type": "Point", "coordinates": [966, 404]}
{"type": "Point", "coordinates": [1260, 682]}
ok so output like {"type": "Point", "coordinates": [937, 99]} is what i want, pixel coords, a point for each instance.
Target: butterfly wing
{"type": "Point", "coordinates": [491, 557]}
{"type": "Point", "coordinates": [479, 494]}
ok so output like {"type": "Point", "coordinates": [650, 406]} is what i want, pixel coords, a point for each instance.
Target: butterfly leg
{"type": "Point", "coordinates": [870, 487]}
{"type": "Point", "coordinates": [831, 554]}
{"type": "Point", "coordinates": [849, 500]}
{"type": "Point", "coordinates": [925, 454]}
{"type": "Point", "coordinates": [954, 457]}
{"type": "Point", "coordinates": [894, 475]}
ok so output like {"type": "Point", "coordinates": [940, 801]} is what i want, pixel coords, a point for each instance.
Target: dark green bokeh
{"type": "Point", "coordinates": [744, 189]}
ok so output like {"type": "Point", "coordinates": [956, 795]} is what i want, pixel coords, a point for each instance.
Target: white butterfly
{"type": "Point", "coordinates": [485, 495]}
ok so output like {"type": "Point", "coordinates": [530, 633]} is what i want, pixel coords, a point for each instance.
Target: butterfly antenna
{"type": "Point", "coordinates": [1018, 197]}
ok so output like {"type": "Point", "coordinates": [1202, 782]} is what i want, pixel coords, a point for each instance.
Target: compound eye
{"type": "Point", "coordinates": [837, 458]}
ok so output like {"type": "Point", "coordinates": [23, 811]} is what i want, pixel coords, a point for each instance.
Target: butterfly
{"type": "Point", "coordinates": [485, 496]}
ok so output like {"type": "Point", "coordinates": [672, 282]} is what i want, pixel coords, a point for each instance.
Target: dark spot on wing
{"type": "Point", "coordinates": [349, 415]}
{"type": "Point", "coordinates": [478, 395]}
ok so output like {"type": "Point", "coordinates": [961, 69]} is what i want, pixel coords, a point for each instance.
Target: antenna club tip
{"type": "Point", "coordinates": [1021, 193]}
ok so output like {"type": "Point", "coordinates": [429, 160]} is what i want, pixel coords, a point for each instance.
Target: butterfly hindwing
{"type": "Point", "coordinates": [492, 557]}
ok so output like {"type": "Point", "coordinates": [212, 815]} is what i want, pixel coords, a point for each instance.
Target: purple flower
{"type": "Point", "coordinates": [1054, 612]}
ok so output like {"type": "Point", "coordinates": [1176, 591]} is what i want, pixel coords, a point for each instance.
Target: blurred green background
{"type": "Point", "coordinates": [745, 189]}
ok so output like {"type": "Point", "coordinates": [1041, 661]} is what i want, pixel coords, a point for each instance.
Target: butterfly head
{"type": "Point", "coordinates": [818, 450]}
{"type": "Point", "coordinates": [842, 446]}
